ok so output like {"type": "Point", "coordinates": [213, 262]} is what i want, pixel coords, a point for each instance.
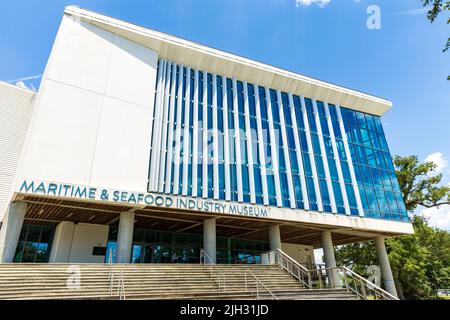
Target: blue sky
{"type": "Point", "coordinates": [327, 39]}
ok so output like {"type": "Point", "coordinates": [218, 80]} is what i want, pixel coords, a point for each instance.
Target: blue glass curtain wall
{"type": "Point", "coordinates": [262, 125]}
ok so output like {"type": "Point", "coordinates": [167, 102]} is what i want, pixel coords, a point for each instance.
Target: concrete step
{"type": "Point", "coordinates": [153, 281]}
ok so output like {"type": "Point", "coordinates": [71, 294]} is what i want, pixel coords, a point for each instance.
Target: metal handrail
{"type": "Point", "coordinates": [361, 287]}
{"type": "Point", "coordinates": [366, 284]}
{"type": "Point", "coordinates": [110, 274]}
{"type": "Point", "coordinates": [287, 263]}
{"type": "Point", "coordinates": [213, 267]}
{"type": "Point", "coordinates": [121, 287]}
{"type": "Point", "coordinates": [121, 281]}
{"type": "Point", "coordinates": [258, 282]}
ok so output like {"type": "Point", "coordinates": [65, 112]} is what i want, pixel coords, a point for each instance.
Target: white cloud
{"type": "Point", "coordinates": [438, 159]}
{"type": "Point", "coordinates": [415, 12]}
{"type": "Point", "coordinates": [307, 3]}
{"type": "Point", "coordinates": [438, 217]}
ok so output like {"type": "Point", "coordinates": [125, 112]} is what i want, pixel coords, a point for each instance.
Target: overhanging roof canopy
{"type": "Point", "coordinates": [215, 61]}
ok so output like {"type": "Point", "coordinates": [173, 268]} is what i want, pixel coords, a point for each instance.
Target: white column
{"type": "Point", "coordinates": [287, 159]}
{"type": "Point", "coordinates": [261, 147]}
{"type": "Point", "coordinates": [171, 130]}
{"type": "Point", "coordinates": [226, 142]}
{"type": "Point", "coordinates": [125, 237]}
{"type": "Point", "coordinates": [311, 155]}
{"type": "Point", "coordinates": [385, 266]}
{"type": "Point", "coordinates": [186, 138]}
{"type": "Point", "coordinates": [177, 161]}
{"type": "Point", "coordinates": [195, 137]}
{"type": "Point", "coordinates": [215, 139]}
{"type": "Point", "coordinates": [350, 163]}
{"type": "Point", "coordinates": [324, 158]}
{"type": "Point", "coordinates": [161, 162]}
{"type": "Point", "coordinates": [237, 142]}
{"type": "Point", "coordinates": [248, 135]}
{"type": "Point", "coordinates": [209, 238]}
{"type": "Point", "coordinates": [274, 237]}
{"type": "Point", "coordinates": [10, 231]}
{"type": "Point", "coordinates": [298, 150]}
{"type": "Point", "coordinates": [337, 159]}
{"type": "Point", "coordinates": [330, 260]}
{"type": "Point", "coordinates": [274, 149]}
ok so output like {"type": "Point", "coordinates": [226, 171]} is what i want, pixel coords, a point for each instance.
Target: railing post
{"type": "Point", "coordinates": [320, 278]}
{"type": "Point", "coordinates": [246, 288]}
{"type": "Point", "coordinates": [309, 280]}
{"type": "Point", "coordinates": [346, 281]}
{"type": "Point", "coordinates": [363, 290]}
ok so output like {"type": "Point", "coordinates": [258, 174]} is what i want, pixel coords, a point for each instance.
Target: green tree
{"type": "Point", "coordinates": [438, 6]}
{"type": "Point", "coordinates": [419, 184]}
{"type": "Point", "coordinates": [420, 262]}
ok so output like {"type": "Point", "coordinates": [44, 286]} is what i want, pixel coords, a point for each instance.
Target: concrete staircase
{"type": "Point", "coordinates": [151, 281]}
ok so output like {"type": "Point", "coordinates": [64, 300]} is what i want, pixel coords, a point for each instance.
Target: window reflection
{"type": "Point", "coordinates": [34, 244]}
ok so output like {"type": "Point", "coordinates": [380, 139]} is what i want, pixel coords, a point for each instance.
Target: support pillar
{"type": "Point", "coordinates": [386, 272]}
{"type": "Point", "coordinates": [330, 260]}
{"type": "Point", "coordinates": [10, 231]}
{"type": "Point", "coordinates": [209, 239]}
{"type": "Point", "coordinates": [274, 237]}
{"type": "Point", "coordinates": [125, 237]}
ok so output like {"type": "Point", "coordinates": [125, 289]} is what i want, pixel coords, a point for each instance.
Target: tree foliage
{"type": "Point", "coordinates": [420, 262]}
{"type": "Point", "coordinates": [420, 187]}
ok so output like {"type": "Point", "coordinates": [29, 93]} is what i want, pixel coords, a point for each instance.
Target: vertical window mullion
{"type": "Point", "coordinates": [350, 162]}
{"type": "Point", "coordinates": [170, 131]}
{"type": "Point", "coordinates": [324, 158]}
{"type": "Point", "coordinates": [249, 145]}
{"type": "Point", "coordinates": [177, 151]}
{"type": "Point", "coordinates": [186, 139]}
{"type": "Point", "coordinates": [161, 164]}
{"type": "Point", "coordinates": [226, 141]}
{"type": "Point", "coordinates": [215, 139]}
{"type": "Point", "coordinates": [195, 137]}
{"type": "Point", "coordinates": [261, 147]}
{"type": "Point", "coordinates": [205, 137]}
{"type": "Point", "coordinates": [299, 154]}
{"type": "Point", "coordinates": [311, 155]}
{"type": "Point", "coordinates": [337, 159]}
{"type": "Point", "coordinates": [274, 148]}
{"type": "Point", "coordinates": [287, 158]}
{"type": "Point", "coordinates": [237, 142]}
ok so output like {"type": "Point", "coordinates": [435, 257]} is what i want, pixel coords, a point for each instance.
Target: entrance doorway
{"type": "Point", "coordinates": [154, 246]}
{"type": "Point", "coordinates": [153, 253]}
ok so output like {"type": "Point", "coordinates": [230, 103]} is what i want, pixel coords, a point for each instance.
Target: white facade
{"type": "Point", "coordinates": [91, 118]}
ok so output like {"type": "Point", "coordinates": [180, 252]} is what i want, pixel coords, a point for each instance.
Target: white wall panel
{"type": "Point", "coordinates": [16, 106]}
{"type": "Point", "coordinates": [92, 121]}
{"type": "Point", "coordinates": [74, 243]}
{"type": "Point", "coordinates": [121, 159]}
{"type": "Point", "coordinates": [61, 142]}
{"type": "Point", "coordinates": [81, 56]}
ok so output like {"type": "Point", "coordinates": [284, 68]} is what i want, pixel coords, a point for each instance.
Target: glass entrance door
{"type": "Point", "coordinates": [148, 254]}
